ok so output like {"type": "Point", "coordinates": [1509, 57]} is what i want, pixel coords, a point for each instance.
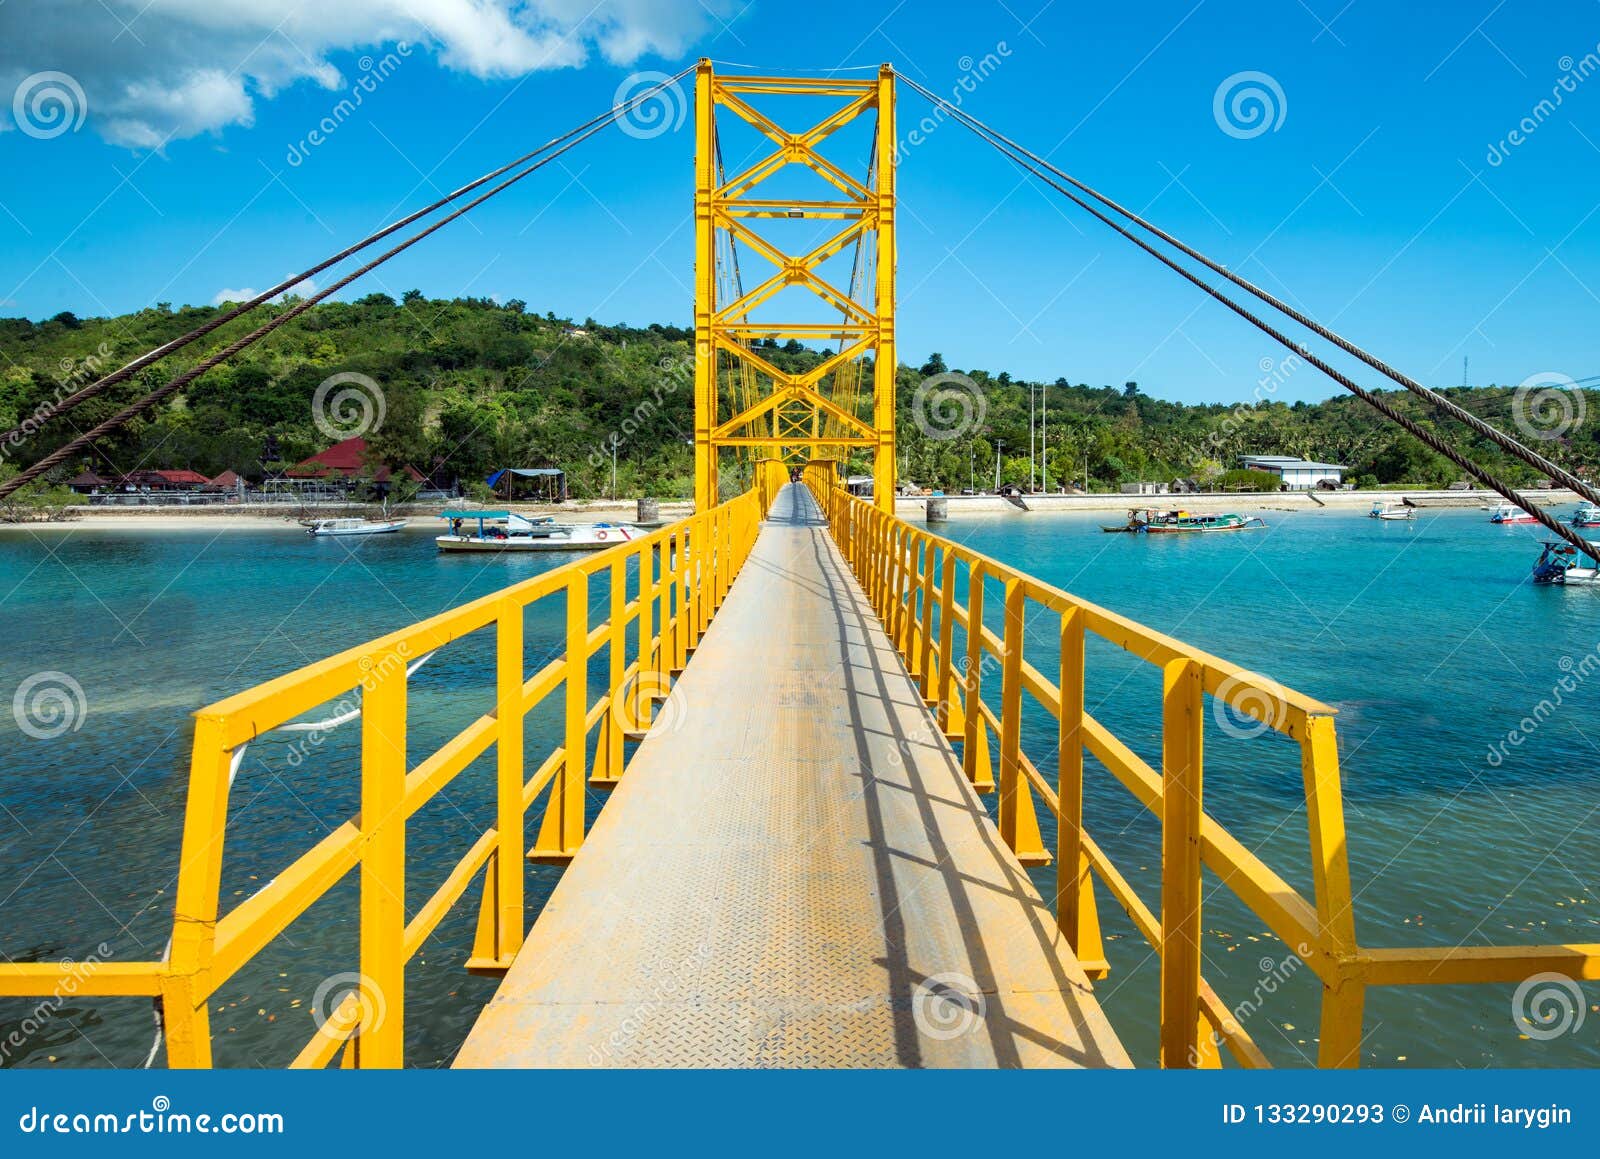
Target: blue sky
{"type": "Point", "coordinates": [1372, 202]}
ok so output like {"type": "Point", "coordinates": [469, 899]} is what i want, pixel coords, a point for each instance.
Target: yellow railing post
{"type": "Point", "coordinates": [975, 744]}
{"type": "Point", "coordinates": [645, 685]}
{"type": "Point", "coordinates": [608, 744]}
{"type": "Point", "coordinates": [561, 832]}
{"type": "Point", "coordinates": [1343, 999]}
{"type": "Point", "coordinates": [1011, 783]}
{"type": "Point", "coordinates": [947, 627]}
{"type": "Point", "coordinates": [380, 1040]}
{"type": "Point", "coordinates": [186, 990]}
{"type": "Point", "coordinates": [509, 742]}
{"type": "Point", "coordinates": [925, 649]}
{"type": "Point", "coordinates": [685, 612]}
{"type": "Point", "coordinates": [1182, 722]}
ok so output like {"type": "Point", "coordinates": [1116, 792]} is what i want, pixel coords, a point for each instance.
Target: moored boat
{"type": "Point", "coordinates": [331, 527]}
{"type": "Point", "coordinates": [1511, 513]}
{"type": "Point", "coordinates": [1587, 516]}
{"type": "Point", "coordinates": [1151, 521]}
{"type": "Point", "coordinates": [503, 531]}
{"type": "Point", "coordinates": [1391, 511]}
{"type": "Point", "coordinates": [1557, 564]}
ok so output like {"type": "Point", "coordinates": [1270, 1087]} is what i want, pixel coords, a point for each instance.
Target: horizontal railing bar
{"type": "Point", "coordinates": [87, 979]}
{"type": "Point", "coordinates": [1458, 965]}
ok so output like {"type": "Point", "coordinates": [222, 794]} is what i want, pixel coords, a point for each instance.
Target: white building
{"type": "Point", "coordinates": [1297, 474]}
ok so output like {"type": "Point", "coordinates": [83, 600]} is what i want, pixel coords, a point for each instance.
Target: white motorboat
{"type": "Point", "coordinates": [1587, 516]}
{"type": "Point", "coordinates": [1511, 513]}
{"type": "Point", "coordinates": [325, 527]}
{"type": "Point", "coordinates": [503, 531]}
{"type": "Point", "coordinates": [1391, 511]}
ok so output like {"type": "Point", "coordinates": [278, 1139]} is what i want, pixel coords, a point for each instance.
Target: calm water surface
{"type": "Point", "coordinates": [1424, 635]}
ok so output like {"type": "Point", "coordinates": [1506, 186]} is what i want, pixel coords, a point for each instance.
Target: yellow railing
{"type": "Point", "coordinates": [680, 575]}
{"type": "Point", "coordinates": [912, 578]}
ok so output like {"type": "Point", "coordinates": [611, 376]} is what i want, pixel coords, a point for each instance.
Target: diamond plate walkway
{"type": "Point", "coordinates": [794, 872]}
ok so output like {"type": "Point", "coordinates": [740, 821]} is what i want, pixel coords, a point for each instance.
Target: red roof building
{"type": "Point", "coordinates": [227, 481]}
{"type": "Point", "coordinates": [176, 480]}
{"type": "Point", "coordinates": [344, 460]}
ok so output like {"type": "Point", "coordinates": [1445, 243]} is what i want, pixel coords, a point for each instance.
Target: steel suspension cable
{"type": "Point", "coordinates": [1422, 434]}
{"type": "Point", "coordinates": [127, 414]}
{"type": "Point", "coordinates": [156, 354]}
{"type": "Point", "coordinates": [1504, 441]}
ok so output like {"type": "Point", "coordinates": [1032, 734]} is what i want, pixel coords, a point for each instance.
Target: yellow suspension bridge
{"type": "Point", "coordinates": [807, 705]}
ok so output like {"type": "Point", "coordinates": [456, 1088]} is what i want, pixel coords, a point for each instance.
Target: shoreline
{"type": "Point", "coordinates": [221, 517]}
{"type": "Point", "coordinates": [265, 517]}
{"type": "Point", "coordinates": [916, 507]}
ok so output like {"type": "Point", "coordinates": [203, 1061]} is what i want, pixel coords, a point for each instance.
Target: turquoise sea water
{"type": "Point", "coordinates": [1425, 635]}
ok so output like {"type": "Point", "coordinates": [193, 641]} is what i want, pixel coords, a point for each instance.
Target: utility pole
{"type": "Point", "coordinates": [1030, 436]}
{"type": "Point", "coordinates": [613, 468]}
{"type": "Point", "coordinates": [1044, 437]}
{"type": "Point", "coordinates": [972, 470]}
{"type": "Point", "coordinates": [997, 445]}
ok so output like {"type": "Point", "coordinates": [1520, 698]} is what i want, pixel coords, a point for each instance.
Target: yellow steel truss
{"type": "Point", "coordinates": [776, 413]}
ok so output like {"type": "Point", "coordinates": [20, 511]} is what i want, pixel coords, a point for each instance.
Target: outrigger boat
{"type": "Point", "coordinates": [326, 527]}
{"type": "Point", "coordinates": [1153, 522]}
{"type": "Point", "coordinates": [1557, 565]}
{"type": "Point", "coordinates": [1391, 511]}
{"type": "Point", "coordinates": [1511, 513]}
{"type": "Point", "coordinates": [501, 531]}
{"type": "Point", "coordinates": [1588, 516]}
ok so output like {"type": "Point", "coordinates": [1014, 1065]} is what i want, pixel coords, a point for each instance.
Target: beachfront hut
{"type": "Point", "coordinates": [87, 483]}
{"type": "Point", "coordinates": [543, 484]}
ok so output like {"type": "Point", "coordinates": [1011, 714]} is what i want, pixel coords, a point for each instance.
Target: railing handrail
{"type": "Point", "coordinates": [672, 604]}
{"type": "Point", "coordinates": [896, 564]}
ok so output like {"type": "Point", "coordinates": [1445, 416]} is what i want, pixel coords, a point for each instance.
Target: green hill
{"type": "Point", "coordinates": [468, 385]}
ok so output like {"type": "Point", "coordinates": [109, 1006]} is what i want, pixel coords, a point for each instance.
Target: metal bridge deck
{"type": "Point", "coordinates": [794, 871]}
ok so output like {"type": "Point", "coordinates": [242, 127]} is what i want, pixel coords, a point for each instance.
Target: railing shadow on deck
{"type": "Point", "coordinates": [911, 578]}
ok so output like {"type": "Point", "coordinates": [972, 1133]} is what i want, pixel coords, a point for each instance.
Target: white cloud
{"type": "Point", "coordinates": [304, 290]}
{"type": "Point", "coordinates": [160, 70]}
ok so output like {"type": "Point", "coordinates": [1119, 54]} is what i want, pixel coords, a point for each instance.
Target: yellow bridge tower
{"type": "Point", "coordinates": [744, 402]}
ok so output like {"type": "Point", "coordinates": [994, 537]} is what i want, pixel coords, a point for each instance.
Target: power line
{"type": "Point", "coordinates": [1439, 401]}
{"type": "Point", "coordinates": [127, 414]}
{"type": "Point", "coordinates": [1021, 159]}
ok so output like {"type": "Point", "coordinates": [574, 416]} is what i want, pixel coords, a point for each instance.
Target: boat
{"type": "Point", "coordinates": [1153, 522]}
{"type": "Point", "coordinates": [1588, 516]}
{"type": "Point", "coordinates": [1511, 513]}
{"type": "Point", "coordinates": [503, 531]}
{"type": "Point", "coordinates": [1557, 564]}
{"type": "Point", "coordinates": [326, 527]}
{"type": "Point", "coordinates": [1391, 511]}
